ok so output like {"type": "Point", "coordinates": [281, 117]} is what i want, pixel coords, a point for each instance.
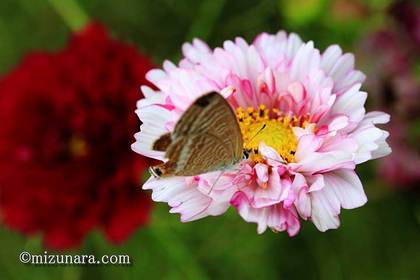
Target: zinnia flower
{"type": "Point", "coordinates": [302, 164]}
{"type": "Point", "coordinates": [65, 163]}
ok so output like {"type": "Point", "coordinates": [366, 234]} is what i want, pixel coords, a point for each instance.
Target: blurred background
{"type": "Point", "coordinates": [378, 241]}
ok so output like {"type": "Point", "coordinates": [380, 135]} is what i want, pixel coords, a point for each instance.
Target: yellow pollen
{"type": "Point", "coordinates": [272, 128]}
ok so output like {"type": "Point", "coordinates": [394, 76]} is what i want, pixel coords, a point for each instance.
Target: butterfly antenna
{"type": "Point", "coordinates": [258, 132]}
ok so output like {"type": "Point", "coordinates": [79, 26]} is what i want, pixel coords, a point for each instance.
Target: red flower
{"type": "Point", "coordinates": [67, 122]}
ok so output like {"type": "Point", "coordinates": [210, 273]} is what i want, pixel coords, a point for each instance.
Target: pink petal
{"type": "Point", "coordinates": [317, 183]}
{"type": "Point", "coordinates": [303, 201]}
{"type": "Point", "coordinates": [262, 172]}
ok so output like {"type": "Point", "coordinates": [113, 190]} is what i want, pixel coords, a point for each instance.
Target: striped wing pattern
{"type": "Point", "coordinates": [206, 138]}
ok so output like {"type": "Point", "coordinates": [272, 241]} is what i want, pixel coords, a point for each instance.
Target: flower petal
{"type": "Point", "coordinates": [342, 189]}
{"type": "Point", "coordinates": [184, 198]}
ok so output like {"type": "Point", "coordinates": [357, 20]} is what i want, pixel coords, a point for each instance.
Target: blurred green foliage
{"type": "Point", "coordinates": [378, 241]}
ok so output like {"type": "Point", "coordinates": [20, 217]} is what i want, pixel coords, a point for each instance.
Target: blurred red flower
{"type": "Point", "coordinates": [67, 121]}
{"type": "Point", "coordinates": [392, 55]}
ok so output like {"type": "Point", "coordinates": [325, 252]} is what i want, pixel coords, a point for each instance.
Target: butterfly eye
{"type": "Point", "coordinates": [246, 154]}
{"type": "Point", "coordinates": [155, 171]}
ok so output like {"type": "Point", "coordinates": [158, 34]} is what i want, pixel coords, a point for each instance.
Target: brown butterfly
{"type": "Point", "coordinates": [206, 138]}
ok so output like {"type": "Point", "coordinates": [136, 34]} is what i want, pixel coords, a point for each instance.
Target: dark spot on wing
{"type": "Point", "coordinates": [204, 100]}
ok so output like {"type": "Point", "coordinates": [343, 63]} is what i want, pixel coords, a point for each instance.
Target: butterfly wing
{"type": "Point", "coordinates": [162, 143]}
{"type": "Point", "coordinates": [202, 153]}
{"type": "Point", "coordinates": [206, 138]}
{"type": "Point", "coordinates": [212, 114]}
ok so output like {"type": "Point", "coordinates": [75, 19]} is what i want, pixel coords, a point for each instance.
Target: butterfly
{"type": "Point", "coordinates": [206, 138]}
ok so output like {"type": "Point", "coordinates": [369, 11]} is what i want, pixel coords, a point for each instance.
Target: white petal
{"type": "Point", "coordinates": [383, 148]}
{"type": "Point", "coordinates": [338, 123]}
{"type": "Point", "coordinates": [325, 210]}
{"type": "Point", "coordinates": [308, 143]}
{"type": "Point", "coordinates": [303, 201]}
{"type": "Point", "coordinates": [307, 60]}
{"type": "Point", "coordinates": [342, 189]}
{"type": "Point", "coordinates": [317, 183]}
{"type": "Point", "coordinates": [262, 172]}
{"type": "Point", "coordinates": [168, 66]}
{"type": "Point", "coordinates": [184, 198]}
{"type": "Point", "coordinates": [270, 154]}
{"type": "Point", "coordinates": [154, 120]}
{"type": "Point", "coordinates": [293, 44]}
{"type": "Point", "coordinates": [351, 103]}
{"type": "Point", "coordinates": [347, 188]}
{"type": "Point", "coordinates": [248, 213]}
{"type": "Point", "coordinates": [196, 51]}
{"type": "Point", "coordinates": [323, 162]}
{"type": "Point", "coordinates": [155, 75]}
{"type": "Point", "coordinates": [274, 192]}
{"type": "Point", "coordinates": [330, 57]}
{"type": "Point", "coordinates": [343, 66]}
{"type": "Point", "coordinates": [376, 117]}
{"type": "Point", "coordinates": [151, 97]}
{"type": "Point", "coordinates": [352, 78]}
{"type": "Point", "coordinates": [366, 138]}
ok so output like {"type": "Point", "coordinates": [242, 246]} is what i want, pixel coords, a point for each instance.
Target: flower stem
{"type": "Point", "coordinates": [71, 13]}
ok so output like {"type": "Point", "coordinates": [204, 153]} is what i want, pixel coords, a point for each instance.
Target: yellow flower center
{"type": "Point", "coordinates": [78, 146]}
{"type": "Point", "coordinates": [268, 126]}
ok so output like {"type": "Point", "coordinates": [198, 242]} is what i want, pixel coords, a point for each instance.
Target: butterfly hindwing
{"type": "Point", "coordinates": [201, 154]}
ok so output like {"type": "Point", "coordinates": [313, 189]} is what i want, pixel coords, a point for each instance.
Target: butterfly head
{"type": "Point", "coordinates": [155, 171]}
{"type": "Point", "coordinates": [246, 154]}
{"type": "Point", "coordinates": [163, 169]}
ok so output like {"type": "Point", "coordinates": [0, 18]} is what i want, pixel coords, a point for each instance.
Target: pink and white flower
{"type": "Point", "coordinates": [302, 164]}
